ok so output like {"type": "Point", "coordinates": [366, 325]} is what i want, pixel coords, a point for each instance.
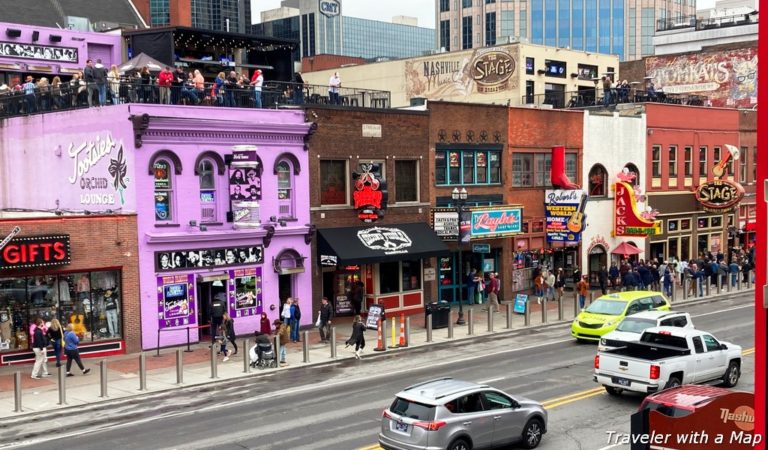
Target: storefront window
{"type": "Point", "coordinates": [411, 275]}
{"type": "Point", "coordinates": [90, 301]}
{"type": "Point", "coordinates": [333, 182]}
{"type": "Point", "coordinates": [389, 277]}
{"type": "Point", "coordinates": [163, 191]}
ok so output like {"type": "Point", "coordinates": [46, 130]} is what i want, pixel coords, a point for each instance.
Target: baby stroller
{"type": "Point", "coordinates": [262, 356]}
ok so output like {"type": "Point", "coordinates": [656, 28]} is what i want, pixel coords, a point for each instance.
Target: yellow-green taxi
{"type": "Point", "coordinates": [605, 313]}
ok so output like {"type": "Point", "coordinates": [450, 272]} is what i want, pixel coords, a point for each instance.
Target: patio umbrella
{"type": "Point", "coordinates": [626, 249]}
{"type": "Point", "coordinates": [138, 62]}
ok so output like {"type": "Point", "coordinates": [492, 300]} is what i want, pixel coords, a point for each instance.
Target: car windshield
{"type": "Point", "coordinates": [634, 325]}
{"type": "Point", "coordinates": [607, 307]}
{"type": "Point", "coordinates": [413, 410]}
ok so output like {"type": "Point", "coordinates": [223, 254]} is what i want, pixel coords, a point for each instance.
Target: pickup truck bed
{"type": "Point", "coordinates": [647, 351]}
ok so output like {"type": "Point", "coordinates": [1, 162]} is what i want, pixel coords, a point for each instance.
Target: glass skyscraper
{"type": "Point", "coordinates": [348, 36]}
{"type": "Point", "coordinates": [619, 27]}
{"type": "Point", "coordinates": [215, 15]}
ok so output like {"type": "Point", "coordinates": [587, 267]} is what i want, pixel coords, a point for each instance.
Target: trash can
{"type": "Point", "coordinates": [440, 312]}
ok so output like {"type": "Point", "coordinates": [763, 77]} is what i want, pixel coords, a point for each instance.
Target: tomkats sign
{"type": "Point", "coordinates": [727, 78]}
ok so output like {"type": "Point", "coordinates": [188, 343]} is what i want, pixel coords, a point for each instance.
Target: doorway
{"type": "Point", "coordinates": [284, 288]}
{"type": "Point", "coordinates": [206, 291]}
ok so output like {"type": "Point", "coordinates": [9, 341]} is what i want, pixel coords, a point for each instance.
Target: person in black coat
{"type": "Point", "coordinates": [358, 336]}
{"type": "Point", "coordinates": [602, 279]}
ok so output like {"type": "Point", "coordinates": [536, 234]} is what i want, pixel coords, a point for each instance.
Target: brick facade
{"type": "Point", "coordinates": [97, 243]}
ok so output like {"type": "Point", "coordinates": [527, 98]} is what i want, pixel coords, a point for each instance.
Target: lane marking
{"type": "Point", "coordinates": [491, 380]}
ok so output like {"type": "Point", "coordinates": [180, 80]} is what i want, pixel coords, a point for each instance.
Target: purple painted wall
{"type": "Point", "coordinates": [37, 169]}
{"type": "Point", "coordinates": [65, 157]}
{"type": "Point", "coordinates": [55, 57]}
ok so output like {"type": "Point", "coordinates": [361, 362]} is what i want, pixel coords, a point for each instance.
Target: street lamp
{"type": "Point", "coordinates": [459, 199]}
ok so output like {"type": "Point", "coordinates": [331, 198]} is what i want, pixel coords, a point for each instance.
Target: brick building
{"type": "Point", "coordinates": [391, 256]}
{"type": "Point", "coordinates": [89, 277]}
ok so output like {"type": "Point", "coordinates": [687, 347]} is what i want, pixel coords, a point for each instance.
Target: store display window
{"type": "Point", "coordinates": [90, 301]}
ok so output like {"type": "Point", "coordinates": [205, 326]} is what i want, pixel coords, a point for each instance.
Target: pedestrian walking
{"type": "Point", "coordinates": [538, 283]}
{"type": "Point", "coordinates": [559, 282]}
{"type": "Point", "coordinates": [281, 329]}
{"type": "Point", "coordinates": [40, 347]}
{"type": "Point", "coordinates": [582, 287]}
{"type": "Point", "coordinates": [71, 340]}
{"type": "Point", "coordinates": [550, 284]}
{"type": "Point", "coordinates": [358, 336]}
{"type": "Point", "coordinates": [479, 287]}
{"type": "Point", "coordinates": [492, 292]}
{"type": "Point", "coordinates": [471, 285]}
{"type": "Point", "coordinates": [55, 336]}
{"type": "Point", "coordinates": [229, 334]}
{"type": "Point", "coordinates": [324, 317]}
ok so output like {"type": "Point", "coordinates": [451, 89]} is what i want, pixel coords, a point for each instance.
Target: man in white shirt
{"type": "Point", "coordinates": [333, 89]}
{"type": "Point", "coordinates": [257, 81]}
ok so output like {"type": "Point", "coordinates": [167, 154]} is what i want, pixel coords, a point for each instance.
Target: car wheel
{"type": "Point", "coordinates": [732, 375]}
{"type": "Point", "coordinates": [460, 444]}
{"type": "Point", "coordinates": [673, 382]}
{"type": "Point", "coordinates": [613, 390]}
{"type": "Point", "coordinates": [532, 433]}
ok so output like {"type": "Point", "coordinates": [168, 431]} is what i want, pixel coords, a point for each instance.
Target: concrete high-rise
{"type": "Point", "coordinates": [620, 27]}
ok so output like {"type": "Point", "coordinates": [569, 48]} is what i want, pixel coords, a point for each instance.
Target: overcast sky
{"type": "Point", "coordinates": [384, 10]}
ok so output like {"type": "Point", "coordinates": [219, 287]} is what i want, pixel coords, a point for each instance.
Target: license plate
{"type": "Point", "coordinates": [621, 381]}
{"type": "Point", "coordinates": [401, 426]}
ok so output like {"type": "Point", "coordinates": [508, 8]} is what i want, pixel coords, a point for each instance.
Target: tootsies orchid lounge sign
{"type": "Point", "coordinates": [35, 251]}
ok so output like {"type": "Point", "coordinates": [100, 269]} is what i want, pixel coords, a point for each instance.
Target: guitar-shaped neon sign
{"type": "Point", "coordinates": [732, 153]}
{"type": "Point", "coordinates": [576, 221]}
{"type": "Point", "coordinates": [11, 235]}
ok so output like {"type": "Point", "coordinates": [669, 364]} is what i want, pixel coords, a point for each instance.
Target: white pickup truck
{"type": "Point", "coordinates": [666, 357]}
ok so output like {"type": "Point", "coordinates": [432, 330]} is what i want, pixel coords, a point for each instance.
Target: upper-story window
{"type": "Point", "coordinates": [285, 188]}
{"type": "Point", "coordinates": [703, 161]}
{"type": "Point", "coordinates": [688, 164]}
{"type": "Point", "coordinates": [207, 179]}
{"type": "Point", "coordinates": [656, 161]}
{"type": "Point", "coordinates": [163, 179]}
{"type": "Point", "coordinates": [743, 164]}
{"type": "Point", "coordinates": [633, 169]}
{"type": "Point", "coordinates": [467, 167]}
{"type": "Point", "coordinates": [406, 180]}
{"type": "Point", "coordinates": [598, 179]}
{"type": "Point", "coordinates": [672, 160]}
{"type": "Point", "coordinates": [333, 182]}
{"type": "Point", "coordinates": [533, 169]}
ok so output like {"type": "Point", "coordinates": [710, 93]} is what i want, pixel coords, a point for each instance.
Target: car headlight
{"type": "Point", "coordinates": [602, 341]}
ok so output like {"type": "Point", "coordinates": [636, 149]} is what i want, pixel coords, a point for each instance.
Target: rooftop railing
{"type": "Point", "coordinates": [274, 94]}
{"type": "Point", "coordinates": [705, 24]}
{"type": "Point", "coordinates": [587, 98]}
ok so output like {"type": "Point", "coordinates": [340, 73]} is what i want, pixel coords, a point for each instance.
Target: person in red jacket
{"type": "Point", "coordinates": [164, 81]}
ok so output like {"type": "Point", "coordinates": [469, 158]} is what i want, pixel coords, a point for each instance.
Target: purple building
{"type": "Point", "coordinates": [221, 199]}
{"type": "Point", "coordinates": [40, 51]}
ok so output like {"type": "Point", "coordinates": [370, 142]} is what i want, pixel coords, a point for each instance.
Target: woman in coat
{"type": "Point", "coordinates": [265, 325]}
{"type": "Point", "coordinates": [281, 329]}
{"type": "Point", "coordinates": [358, 336]}
{"type": "Point", "coordinates": [228, 325]}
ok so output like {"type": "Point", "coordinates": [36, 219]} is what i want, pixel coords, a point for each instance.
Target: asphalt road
{"type": "Point", "coordinates": [338, 406]}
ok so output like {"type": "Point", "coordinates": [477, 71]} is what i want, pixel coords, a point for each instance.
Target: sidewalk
{"type": "Point", "coordinates": [123, 379]}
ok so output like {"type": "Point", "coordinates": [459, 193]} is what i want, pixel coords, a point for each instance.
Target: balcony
{"type": "Point", "coordinates": [594, 98]}
{"type": "Point", "coordinates": [275, 94]}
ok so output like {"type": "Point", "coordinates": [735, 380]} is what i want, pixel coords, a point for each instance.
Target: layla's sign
{"type": "Point", "coordinates": [98, 189]}
{"type": "Point", "coordinates": [489, 223]}
{"type": "Point", "coordinates": [719, 195]}
{"type": "Point", "coordinates": [38, 251]}
{"type": "Point", "coordinates": [626, 219]}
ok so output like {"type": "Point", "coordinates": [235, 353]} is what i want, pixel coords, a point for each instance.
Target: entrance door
{"type": "Point", "coordinates": [285, 288]}
{"type": "Point", "coordinates": [206, 291]}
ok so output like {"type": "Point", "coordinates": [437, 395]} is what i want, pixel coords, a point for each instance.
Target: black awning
{"type": "Point", "coordinates": [365, 245]}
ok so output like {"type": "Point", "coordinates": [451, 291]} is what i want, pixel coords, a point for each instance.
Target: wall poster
{"type": "Point", "coordinates": [176, 301]}
{"type": "Point", "coordinates": [245, 292]}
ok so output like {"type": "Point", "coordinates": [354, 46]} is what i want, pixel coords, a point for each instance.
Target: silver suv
{"type": "Point", "coordinates": [460, 415]}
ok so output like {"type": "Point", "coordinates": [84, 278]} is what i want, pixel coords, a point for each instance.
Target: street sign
{"type": "Point", "coordinates": [521, 302]}
{"type": "Point", "coordinates": [481, 248]}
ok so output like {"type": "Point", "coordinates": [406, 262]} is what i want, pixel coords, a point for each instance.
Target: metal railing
{"type": "Point", "coordinates": [596, 97]}
{"type": "Point", "coordinates": [75, 95]}
{"type": "Point", "coordinates": [705, 24]}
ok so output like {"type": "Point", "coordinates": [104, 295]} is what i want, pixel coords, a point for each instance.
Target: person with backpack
{"type": "Point", "coordinates": [40, 347]}
{"type": "Point", "coordinates": [295, 318]}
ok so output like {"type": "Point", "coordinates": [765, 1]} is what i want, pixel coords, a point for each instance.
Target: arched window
{"type": "Point", "coordinates": [598, 180]}
{"type": "Point", "coordinates": [206, 173]}
{"type": "Point", "coordinates": [163, 193]}
{"type": "Point", "coordinates": [285, 188]}
{"type": "Point", "coordinates": [633, 168]}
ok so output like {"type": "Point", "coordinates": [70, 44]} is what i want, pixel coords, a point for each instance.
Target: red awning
{"type": "Point", "coordinates": [626, 249]}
